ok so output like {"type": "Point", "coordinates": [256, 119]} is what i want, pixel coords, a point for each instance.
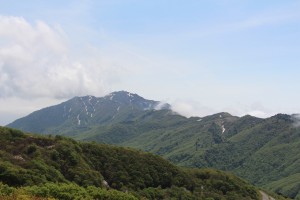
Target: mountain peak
{"type": "Point", "coordinates": [133, 100]}
{"type": "Point", "coordinates": [85, 111]}
{"type": "Point", "coordinates": [122, 92]}
{"type": "Point", "coordinates": [220, 115]}
{"type": "Point", "coordinates": [123, 95]}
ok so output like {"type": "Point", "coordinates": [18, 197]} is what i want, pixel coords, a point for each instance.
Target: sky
{"type": "Point", "coordinates": [201, 56]}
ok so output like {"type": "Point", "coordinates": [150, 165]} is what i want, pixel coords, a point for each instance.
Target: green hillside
{"type": "Point", "coordinates": [56, 167]}
{"type": "Point", "coordinates": [265, 154]}
{"type": "Point", "coordinates": [263, 151]}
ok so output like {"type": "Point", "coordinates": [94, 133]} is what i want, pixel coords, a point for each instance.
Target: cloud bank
{"type": "Point", "coordinates": [36, 61]}
{"type": "Point", "coordinates": [296, 119]}
{"type": "Point", "coordinates": [190, 108]}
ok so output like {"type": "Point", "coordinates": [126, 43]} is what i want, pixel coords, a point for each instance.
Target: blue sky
{"type": "Point", "coordinates": [201, 56]}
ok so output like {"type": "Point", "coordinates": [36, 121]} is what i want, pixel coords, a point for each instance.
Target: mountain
{"type": "Point", "coordinates": [263, 151]}
{"type": "Point", "coordinates": [57, 167]}
{"type": "Point", "coordinates": [80, 113]}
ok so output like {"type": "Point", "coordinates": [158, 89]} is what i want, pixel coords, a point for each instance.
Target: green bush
{"type": "Point", "coordinates": [31, 149]}
{"type": "Point", "coordinates": [5, 190]}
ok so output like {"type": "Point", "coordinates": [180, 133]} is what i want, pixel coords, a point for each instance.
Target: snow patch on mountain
{"type": "Point", "coordinates": [78, 120]}
{"type": "Point", "coordinates": [111, 96]}
{"type": "Point", "coordinates": [85, 107]}
{"type": "Point", "coordinates": [223, 129]}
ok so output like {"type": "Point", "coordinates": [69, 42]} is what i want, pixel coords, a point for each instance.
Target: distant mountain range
{"type": "Point", "coordinates": [264, 151]}
{"type": "Point", "coordinates": [81, 113]}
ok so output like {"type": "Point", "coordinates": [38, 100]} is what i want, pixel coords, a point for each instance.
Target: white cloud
{"type": "Point", "coordinates": [36, 61]}
{"type": "Point", "coordinates": [190, 108]}
{"type": "Point", "coordinates": [258, 113]}
{"type": "Point", "coordinates": [296, 119]}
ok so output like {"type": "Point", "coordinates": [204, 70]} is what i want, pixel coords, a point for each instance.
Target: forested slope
{"type": "Point", "coordinates": [59, 167]}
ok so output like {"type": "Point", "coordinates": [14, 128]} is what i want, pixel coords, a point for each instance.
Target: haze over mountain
{"type": "Point", "coordinates": [264, 151]}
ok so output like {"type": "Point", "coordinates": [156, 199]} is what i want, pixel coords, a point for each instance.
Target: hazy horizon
{"type": "Point", "coordinates": [202, 57]}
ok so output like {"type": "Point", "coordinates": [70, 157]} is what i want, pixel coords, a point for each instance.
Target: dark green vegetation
{"type": "Point", "coordinates": [57, 167]}
{"type": "Point", "coordinates": [266, 152]}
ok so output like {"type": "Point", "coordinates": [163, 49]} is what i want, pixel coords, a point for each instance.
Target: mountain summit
{"type": "Point", "coordinates": [86, 111]}
{"type": "Point", "coordinates": [263, 151]}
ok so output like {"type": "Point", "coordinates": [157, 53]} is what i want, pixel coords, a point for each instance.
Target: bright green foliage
{"type": "Point", "coordinates": [5, 190]}
{"type": "Point", "coordinates": [72, 191]}
{"type": "Point", "coordinates": [62, 168]}
{"type": "Point", "coordinates": [65, 191]}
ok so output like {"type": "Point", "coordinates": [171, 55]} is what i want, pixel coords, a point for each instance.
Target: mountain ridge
{"type": "Point", "coordinates": [251, 147]}
{"type": "Point", "coordinates": [81, 111]}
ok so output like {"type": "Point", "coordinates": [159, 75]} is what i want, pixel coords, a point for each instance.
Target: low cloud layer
{"type": "Point", "coordinates": [36, 61]}
{"type": "Point", "coordinates": [191, 108]}
{"type": "Point", "coordinates": [296, 119]}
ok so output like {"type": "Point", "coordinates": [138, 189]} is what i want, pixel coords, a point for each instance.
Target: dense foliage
{"type": "Point", "coordinates": [66, 191]}
{"type": "Point", "coordinates": [57, 167]}
{"type": "Point", "coordinates": [263, 151]}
